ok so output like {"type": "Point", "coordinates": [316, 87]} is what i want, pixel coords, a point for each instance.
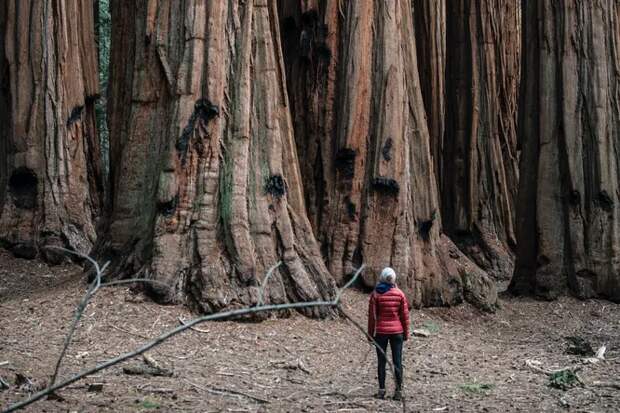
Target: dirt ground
{"type": "Point", "coordinates": [471, 361]}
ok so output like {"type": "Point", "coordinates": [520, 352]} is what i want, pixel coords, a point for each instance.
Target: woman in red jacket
{"type": "Point", "coordinates": [388, 322]}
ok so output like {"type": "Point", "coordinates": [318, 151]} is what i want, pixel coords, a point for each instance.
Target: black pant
{"type": "Point", "coordinates": [396, 344]}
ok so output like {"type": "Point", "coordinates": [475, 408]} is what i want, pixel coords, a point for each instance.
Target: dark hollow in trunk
{"type": "Point", "coordinates": [206, 189]}
{"type": "Point", "coordinates": [50, 173]}
{"type": "Point", "coordinates": [365, 149]}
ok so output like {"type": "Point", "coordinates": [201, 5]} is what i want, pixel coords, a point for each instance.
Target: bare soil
{"type": "Point", "coordinates": [295, 364]}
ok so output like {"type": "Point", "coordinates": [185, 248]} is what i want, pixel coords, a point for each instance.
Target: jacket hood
{"type": "Point", "coordinates": [383, 288]}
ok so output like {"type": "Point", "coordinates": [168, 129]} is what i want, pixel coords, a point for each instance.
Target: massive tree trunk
{"type": "Point", "coordinates": [479, 167]}
{"type": "Point", "coordinates": [207, 192]}
{"type": "Point", "coordinates": [49, 155]}
{"type": "Point", "coordinates": [430, 33]}
{"type": "Point", "coordinates": [568, 204]}
{"type": "Point", "coordinates": [5, 102]}
{"type": "Point", "coordinates": [365, 148]}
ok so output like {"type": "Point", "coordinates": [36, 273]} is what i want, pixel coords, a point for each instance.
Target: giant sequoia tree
{"type": "Point", "coordinates": [469, 69]}
{"type": "Point", "coordinates": [50, 183]}
{"type": "Point", "coordinates": [568, 205]}
{"type": "Point", "coordinates": [206, 186]}
{"type": "Point", "coordinates": [365, 148]}
{"type": "Point", "coordinates": [242, 130]}
{"type": "Point", "coordinates": [479, 175]}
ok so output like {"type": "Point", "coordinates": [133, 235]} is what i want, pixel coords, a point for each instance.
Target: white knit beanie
{"type": "Point", "coordinates": [388, 275]}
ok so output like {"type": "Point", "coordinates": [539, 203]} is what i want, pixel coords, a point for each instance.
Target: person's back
{"type": "Point", "coordinates": [390, 311]}
{"type": "Point", "coordinates": [388, 322]}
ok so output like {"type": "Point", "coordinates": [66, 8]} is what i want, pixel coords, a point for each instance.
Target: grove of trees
{"type": "Point", "coordinates": [468, 144]}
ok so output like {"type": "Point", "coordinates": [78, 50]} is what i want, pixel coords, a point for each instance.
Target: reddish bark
{"type": "Point", "coordinates": [50, 181]}
{"type": "Point", "coordinates": [366, 160]}
{"type": "Point", "coordinates": [479, 154]}
{"type": "Point", "coordinates": [430, 33]}
{"type": "Point", "coordinates": [568, 204]}
{"type": "Point", "coordinates": [206, 186]}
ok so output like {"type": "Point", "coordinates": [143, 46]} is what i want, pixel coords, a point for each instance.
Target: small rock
{"type": "Point", "coordinates": [421, 332]}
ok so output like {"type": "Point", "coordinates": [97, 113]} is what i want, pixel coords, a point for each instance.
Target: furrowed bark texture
{"type": "Point", "coordinates": [50, 177]}
{"type": "Point", "coordinates": [568, 204]}
{"type": "Point", "coordinates": [430, 34]}
{"type": "Point", "coordinates": [207, 192]}
{"type": "Point", "coordinates": [5, 101]}
{"type": "Point", "coordinates": [364, 148]}
{"type": "Point", "coordinates": [479, 165]}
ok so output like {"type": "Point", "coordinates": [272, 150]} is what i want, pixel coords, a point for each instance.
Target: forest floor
{"type": "Point", "coordinates": [471, 361]}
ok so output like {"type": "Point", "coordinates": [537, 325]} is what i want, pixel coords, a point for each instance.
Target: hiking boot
{"type": "Point", "coordinates": [398, 395]}
{"type": "Point", "coordinates": [380, 394]}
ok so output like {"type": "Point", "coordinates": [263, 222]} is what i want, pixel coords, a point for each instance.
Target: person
{"type": "Point", "coordinates": [388, 322]}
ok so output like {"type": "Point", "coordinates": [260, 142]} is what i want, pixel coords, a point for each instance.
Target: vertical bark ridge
{"type": "Point", "coordinates": [5, 115]}
{"type": "Point", "coordinates": [479, 163]}
{"type": "Point", "coordinates": [51, 177]}
{"type": "Point", "coordinates": [568, 202]}
{"type": "Point", "coordinates": [208, 148]}
{"type": "Point", "coordinates": [430, 33]}
{"type": "Point", "coordinates": [365, 149]}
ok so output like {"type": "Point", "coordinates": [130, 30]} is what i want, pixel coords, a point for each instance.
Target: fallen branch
{"type": "Point", "coordinates": [199, 330]}
{"type": "Point", "coordinates": [165, 336]}
{"type": "Point", "coordinates": [612, 384]}
{"type": "Point", "coordinates": [92, 289]}
{"type": "Point", "coordinates": [3, 363]}
{"type": "Point", "coordinates": [297, 365]}
{"type": "Point", "coordinates": [122, 330]}
{"type": "Point", "coordinates": [536, 366]}
{"type": "Point", "coordinates": [161, 390]}
{"type": "Point", "coordinates": [599, 356]}
{"type": "Point", "coordinates": [302, 366]}
{"type": "Point", "coordinates": [150, 361]}
{"type": "Point", "coordinates": [222, 391]}
{"type": "Point", "coordinates": [349, 403]}
{"type": "Point", "coordinates": [133, 281]}
{"type": "Point", "coordinates": [147, 371]}
{"type": "Point", "coordinates": [152, 368]}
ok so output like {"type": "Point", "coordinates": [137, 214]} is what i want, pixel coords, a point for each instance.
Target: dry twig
{"type": "Point", "coordinates": [165, 336]}
{"type": "Point", "coordinates": [92, 289]}
{"type": "Point", "coordinates": [612, 384]}
{"type": "Point", "coordinates": [599, 356]}
{"type": "Point", "coordinates": [222, 391]}
{"type": "Point", "coordinates": [535, 365]}
{"type": "Point", "coordinates": [3, 384]}
{"type": "Point", "coordinates": [122, 330]}
{"type": "Point", "coordinates": [261, 291]}
{"type": "Point", "coordinates": [199, 330]}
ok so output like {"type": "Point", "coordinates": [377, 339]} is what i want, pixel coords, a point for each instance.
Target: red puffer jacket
{"type": "Point", "coordinates": [388, 313]}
